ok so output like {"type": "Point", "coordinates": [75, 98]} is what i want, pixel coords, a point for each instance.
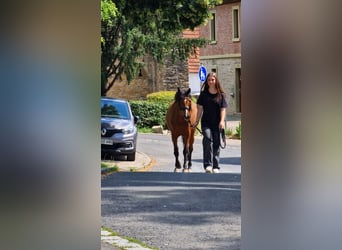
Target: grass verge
{"type": "Point", "coordinates": [113, 233]}
{"type": "Point", "coordinates": [109, 168]}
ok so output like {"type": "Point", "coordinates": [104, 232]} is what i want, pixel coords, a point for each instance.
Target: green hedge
{"type": "Point", "coordinates": [150, 113]}
{"type": "Point", "coordinates": [162, 96]}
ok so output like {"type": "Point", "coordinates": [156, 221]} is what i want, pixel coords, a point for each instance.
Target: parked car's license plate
{"type": "Point", "coordinates": [106, 141]}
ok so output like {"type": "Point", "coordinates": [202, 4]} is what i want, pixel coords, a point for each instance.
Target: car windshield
{"type": "Point", "coordinates": [115, 109]}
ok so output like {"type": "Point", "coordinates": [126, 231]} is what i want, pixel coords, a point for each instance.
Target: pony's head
{"type": "Point", "coordinates": [183, 98]}
{"type": "Point", "coordinates": [181, 94]}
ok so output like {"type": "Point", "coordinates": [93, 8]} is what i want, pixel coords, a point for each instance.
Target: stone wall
{"type": "Point", "coordinates": [136, 90]}
{"type": "Point", "coordinates": [153, 78]}
{"type": "Point", "coordinates": [175, 75]}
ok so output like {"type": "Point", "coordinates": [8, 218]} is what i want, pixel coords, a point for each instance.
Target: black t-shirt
{"type": "Point", "coordinates": [211, 109]}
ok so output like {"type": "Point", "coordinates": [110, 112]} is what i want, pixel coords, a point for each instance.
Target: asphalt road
{"type": "Point", "coordinates": [160, 148]}
{"type": "Point", "coordinates": [176, 210]}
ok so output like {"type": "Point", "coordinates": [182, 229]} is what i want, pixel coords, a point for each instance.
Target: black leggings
{"type": "Point", "coordinates": [211, 147]}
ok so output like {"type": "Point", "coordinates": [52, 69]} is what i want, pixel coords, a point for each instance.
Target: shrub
{"type": "Point", "coordinates": [238, 130]}
{"type": "Point", "coordinates": [228, 132]}
{"type": "Point", "coordinates": [162, 96]}
{"type": "Point", "coordinates": [151, 113]}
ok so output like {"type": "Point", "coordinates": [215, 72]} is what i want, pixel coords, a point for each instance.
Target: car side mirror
{"type": "Point", "coordinates": [136, 119]}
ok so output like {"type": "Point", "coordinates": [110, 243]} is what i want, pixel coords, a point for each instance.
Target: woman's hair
{"type": "Point", "coordinates": [205, 86]}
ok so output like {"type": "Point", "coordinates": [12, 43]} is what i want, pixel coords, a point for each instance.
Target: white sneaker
{"type": "Point", "coordinates": [216, 170]}
{"type": "Point", "coordinates": [208, 169]}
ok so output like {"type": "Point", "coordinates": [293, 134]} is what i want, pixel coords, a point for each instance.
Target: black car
{"type": "Point", "coordinates": [118, 128]}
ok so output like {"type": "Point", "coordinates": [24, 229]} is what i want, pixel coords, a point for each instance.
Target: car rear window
{"type": "Point", "coordinates": [115, 109]}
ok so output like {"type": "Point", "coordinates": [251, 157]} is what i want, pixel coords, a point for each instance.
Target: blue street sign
{"type": "Point", "coordinates": [202, 73]}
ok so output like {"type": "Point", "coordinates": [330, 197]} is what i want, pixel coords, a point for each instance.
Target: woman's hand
{"type": "Point", "coordinates": [221, 125]}
{"type": "Point", "coordinates": [195, 124]}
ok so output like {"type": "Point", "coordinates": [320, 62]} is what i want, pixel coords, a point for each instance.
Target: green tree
{"type": "Point", "coordinates": [131, 29]}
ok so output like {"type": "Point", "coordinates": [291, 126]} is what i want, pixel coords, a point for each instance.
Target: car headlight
{"type": "Point", "coordinates": [128, 130]}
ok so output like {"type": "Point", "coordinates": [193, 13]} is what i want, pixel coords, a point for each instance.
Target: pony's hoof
{"type": "Point", "coordinates": [187, 170]}
{"type": "Point", "coordinates": [177, 170]}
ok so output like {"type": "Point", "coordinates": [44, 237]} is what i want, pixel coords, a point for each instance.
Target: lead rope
{"type": "Point", "coordinates": [223, 139]}
{"type": "Point", "coordinates": [223, 142]}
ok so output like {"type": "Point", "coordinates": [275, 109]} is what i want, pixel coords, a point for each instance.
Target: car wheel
{"type": "Point", "coordinates": [131, 157]}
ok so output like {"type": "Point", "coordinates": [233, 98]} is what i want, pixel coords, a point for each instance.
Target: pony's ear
{"type": "Point", "coordinates": [177, 93]}
{"type": "Point", "coordinates": [188, 92]}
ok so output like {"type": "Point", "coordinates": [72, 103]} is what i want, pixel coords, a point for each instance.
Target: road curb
{"type": "Point", "coordinates": [142, 163]}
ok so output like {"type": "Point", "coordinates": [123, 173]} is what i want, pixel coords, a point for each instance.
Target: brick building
{"type": "Point", "coordinates": [223, 54]}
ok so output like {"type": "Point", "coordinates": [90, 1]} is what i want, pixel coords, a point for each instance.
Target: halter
{"type": "Point", "coordinates": [185, 108]}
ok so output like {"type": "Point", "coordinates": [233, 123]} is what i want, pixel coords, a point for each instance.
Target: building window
{"type": "Point", "coordinates": [236, 23]}
{"type": "Point", "coordinates": [213, 28]}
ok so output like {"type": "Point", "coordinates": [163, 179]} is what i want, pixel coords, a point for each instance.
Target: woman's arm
{"type": "Point", "coordinates": [223, 118]}
{"type": "Point", "coordinates": [199, 114]}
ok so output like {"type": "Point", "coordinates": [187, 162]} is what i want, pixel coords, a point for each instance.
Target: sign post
{"type": "Point", "coordinates": [202, 74]}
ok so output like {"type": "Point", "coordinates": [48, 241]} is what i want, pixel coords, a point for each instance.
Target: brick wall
{"type": "Point", "coordinates": [224, 43]}
{"type": "Point", "coordinates": [194, 60]}
{"type": "Point", "coordinates": [225, 54]}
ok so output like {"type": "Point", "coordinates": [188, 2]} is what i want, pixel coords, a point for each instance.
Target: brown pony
{"type": "Point", "coordinates": [180, 115]}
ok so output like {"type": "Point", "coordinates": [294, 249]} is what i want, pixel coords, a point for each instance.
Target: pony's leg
{"type": "Point", "coordinates": [186, 157]}
{"type": "Point", "coordinates": [176, 153]}
{"type": "Point", "coordinates": [186, 152]}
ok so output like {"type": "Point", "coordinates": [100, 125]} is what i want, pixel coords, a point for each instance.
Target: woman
{"type": "Point", "coordinates": [211, 109]}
